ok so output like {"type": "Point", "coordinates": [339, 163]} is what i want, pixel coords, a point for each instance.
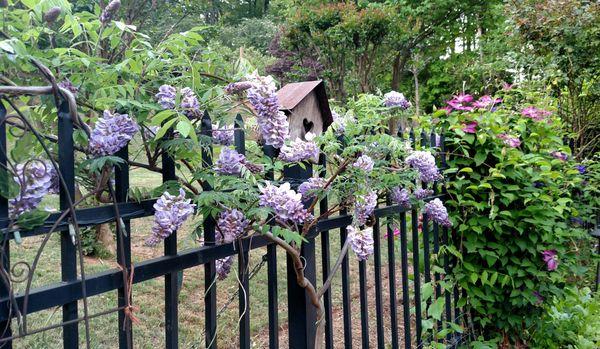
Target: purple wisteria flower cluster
{"type": "Point", "coordinates": [299, 150]}
{"type": "Point", "coordinates": [167, 95]}
{"type": "Point", "coordinates": [365, 163]}
{"type": "Point", "coordinates": [364, 207]}
{"type": "Point", "coordinates": [109, 11]}
{"type": "Point", "coordinates": [170, 211]}
{"type": "Point", "coordinates": [422, 193]}
{"type": "Point", "coordinates": [36, 179]}
{"type": "Point", "coordinates": [424, 163]}
{"type": "Point", "coordinates": [395, 99]}
{"type": "Point", "coordinates": [550, 257]}
{"type": "Point", "coordinates": [223, 136]}
{"type": "Point", "coordinates": [111, 133]}
{"type": "Point", "coordinates": [230, 162]}
{"type": "Point", "coordinates": [339, 123]}
{"type": "Point", "coordinates": [436, 210]}
{"type": "Point", "coordinates": [307, 189]}
{"type": "Point", "coordinates": [223, 267]}
{"type": "Point", "coordinates": [535, 114]}
{"type": "Point", "coordinates": [285, 202]}
{"type": "Point", "coordinates": [231, 224]}
{"type": "Point", "coordinates": [401, 196]}
{"type": "Point", "coordinates": [261, 92]}
{"type": "Point", "coordinates": [361, 242]}
{"type": "Point", "coordinates": [511, 141]}
{"type": "Point", "coordinates": [68, 85]}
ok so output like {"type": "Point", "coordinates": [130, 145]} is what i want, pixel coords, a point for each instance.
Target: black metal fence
{"type": "Point", "coordinates": [408, 266]}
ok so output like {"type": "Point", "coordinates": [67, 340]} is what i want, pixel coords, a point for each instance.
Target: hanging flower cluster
{"type": "Point", "coordinates": [307, 189]}
{"type": "Point", "coordinates": [223, 136]}
{"type": "Point", "coordinates": [261, 92]}
{"type": "Point", "coordinates": [111, 133]}
{"type": "Point", "coordinates": [230, 162]}
{"type": "Point", "coordinates": [167, 95]}
{"type": "Point", "coordinates": [109, 11]}
{"type": "Point", "coordinates": [170, 213]}
{"type": "Point", "coordinates": [364, 207]}
{"type": "Point", "coordinates": [395, 99]}
{"type": "Point", "coordinates": [36, 179]}
{"type": "Point", "coordinates": [361, 242]}
{"type": "Point", "coordinates": [535, 114]}
{"type": "Point", "coordinates": [424, 163]}
{"type": "Point", "coordinates": [436, 210]}
{"type": "Point", "coordinates": [68, 85]}
{"type": "Point", "coordinates": [299, 150]}
{"type": "Point", "coordinates": [513, 142]}
{"type": "Point", "coordinates": [230, 225]}
{"type": "Point", "coordinates": [223, 267]}
{"type": "Point", "coordinates": [285, 202]}
{"type": "Point", "coordinates": [423, 193]}
{"type": "Point", "coordinates": [401, 196]}
{"type": "Point", "coordinates": [365, 163]}
{"type": "Point", "coordinates": [550, 257]}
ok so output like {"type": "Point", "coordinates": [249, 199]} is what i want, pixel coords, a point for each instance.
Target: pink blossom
{"type": "Point", "coordinates": [486, 101]}
{"type": "Point", "coordinates": [396, 233]}
{"type": "Point", "coordinates": [507, 87]}
{"type": "Point", "coordinates": [461, 101]}
{"type": "Point", "coordinates": [551, 259]}
{"type": "Point", "coordinates": [470, 127]}
{"type": "Point", "coordinates": [513, 142]}
{"type": "Point", "coordinates": [560, 155]}
{"type": "Point", "coordinates": [535, 113]}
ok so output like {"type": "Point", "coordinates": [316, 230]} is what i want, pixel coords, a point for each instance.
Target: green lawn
{"type": "Point", "coordinates": [148, 296]}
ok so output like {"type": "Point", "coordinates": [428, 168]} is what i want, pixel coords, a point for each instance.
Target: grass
{"type": "Point", "coordinates": [148, 296]}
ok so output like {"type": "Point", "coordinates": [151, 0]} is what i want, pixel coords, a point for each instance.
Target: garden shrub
{"type": "Point", "coordinates": [511, 200]}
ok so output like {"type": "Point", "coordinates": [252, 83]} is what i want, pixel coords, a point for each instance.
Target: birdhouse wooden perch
{"type": "Point", "coordinates": [306, 106]}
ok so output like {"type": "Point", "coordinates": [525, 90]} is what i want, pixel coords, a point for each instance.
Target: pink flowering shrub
{"type": "Point", "coordinates": [511, 181]}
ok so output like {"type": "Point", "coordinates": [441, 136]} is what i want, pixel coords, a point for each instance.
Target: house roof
{"type": "Point", "coordinates": [291, 94]}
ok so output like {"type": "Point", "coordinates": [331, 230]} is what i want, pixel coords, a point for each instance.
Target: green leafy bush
{"type": "Point", "coordinates": [571, 322]}
{"type": "Point", "coordinates": [512, 199]}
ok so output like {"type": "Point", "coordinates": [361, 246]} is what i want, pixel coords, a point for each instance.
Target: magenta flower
{"type": "Point", "coordinates": [470, 127]}
{"type": "Point", "coordinates": [551, 259]}
{"type": "Point", "coordinates": [395, 233]}
{"type": "Point", "coordinates": [513, 142]}
{"type": "Point", "coordinates": [560, 155]}
{"type": "Point", "coordinates": [486, 101]}
{"type": "Point", "coordinates": [461, 102]}
{"type": "Point", "coordinates": [506, 86]}
{"type": "Point", "coordinates": [535, 113]}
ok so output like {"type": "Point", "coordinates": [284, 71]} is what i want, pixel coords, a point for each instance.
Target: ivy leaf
{"type": "Point", "coordinates": [8, 187]}
{"type": "Point", "coordinates": [436, 308]}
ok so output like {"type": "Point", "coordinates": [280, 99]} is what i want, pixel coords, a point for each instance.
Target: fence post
{"type": "Point", "coordinates": [302, 315]}
{"type": "Point", "coordinates": [5, 263]}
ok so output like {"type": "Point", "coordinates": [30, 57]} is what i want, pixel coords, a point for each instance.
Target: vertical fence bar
{"type": "Point", "coordinates": [269, 151]}
{"type": "Point", "coordinates": [301, 313]}
{"type": "Point", "coordinates": [171, 279]}
{"type": "Point", "coordinates": [364, 303]}
{"type": "Point", "coordinates": [447, 293]}
{"type": "Point", "coordinates": [68, 251]}
{"type": "Point", "coordinates": [326, 257]}
{"type": "Point", "coordinates": [4, 286]}
{"type": "Point", "coordinates": [346, 296]}
{"type": "Point", "coordinates": [210, 274]}
{"type": "Point", "coordinates": [244, 289]}
{"type": "Point", "coordinates": [417, 274]}
{"type": "Point", "coordinates": [405, 290]}
{"type": "Point", "coordinates": [123, 244]}
{"type": "Point", "coordinates": [378, 284]}
{"type": "Point", "coordinates": [391, 246]}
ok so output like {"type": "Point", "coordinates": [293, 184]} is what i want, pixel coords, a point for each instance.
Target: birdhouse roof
{"type": "Point", "coordinates": [292, 94]}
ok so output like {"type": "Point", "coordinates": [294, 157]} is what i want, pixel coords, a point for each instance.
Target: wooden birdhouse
{"type": "Point", "coordinates": [306, 106]}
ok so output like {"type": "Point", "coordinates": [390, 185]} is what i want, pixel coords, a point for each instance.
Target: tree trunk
{"type": "Point", "coordinates": [398, 68]}
{"type": "Point", "coordinates": [415, 72]}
